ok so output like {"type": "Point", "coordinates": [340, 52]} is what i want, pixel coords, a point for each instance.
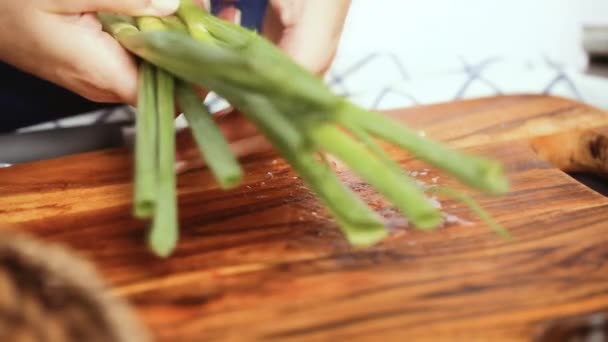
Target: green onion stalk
{"type": "Point", "coordinates": [295, 111]}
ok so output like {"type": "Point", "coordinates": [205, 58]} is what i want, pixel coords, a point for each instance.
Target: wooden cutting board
{"type": "Point", "coordinates": [264, 262]}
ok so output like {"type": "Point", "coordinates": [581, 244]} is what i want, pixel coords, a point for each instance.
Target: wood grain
{"type": "Point", "coordinates": [264, 262]}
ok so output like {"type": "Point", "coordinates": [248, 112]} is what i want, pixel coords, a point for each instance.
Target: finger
{"type": "Point", "coordinates": [88, 61]}
{"type": "Point", "coordinates": [128, 7]}
{"type": "Point", "coordinates": [309, 30]}
{"type": "Point", "coordinates": [240, 148]}
{"type": "Point", "coordinates": [90, 21]}
{"type": "Point", "coordinates": [231, 14]}
{"type": "Point", "coordinates": [233, 125]}
{"type": "Point", "coordinates": [243, 137]}
{"type": "Point", "coordinates": [206, 4]}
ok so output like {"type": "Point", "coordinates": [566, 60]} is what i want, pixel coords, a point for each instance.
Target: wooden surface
{"type": "Point", "coordinates": [264, 263]}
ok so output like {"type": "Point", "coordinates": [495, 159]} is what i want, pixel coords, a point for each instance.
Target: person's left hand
{"type": "Point", "coordinates": [62, 41]}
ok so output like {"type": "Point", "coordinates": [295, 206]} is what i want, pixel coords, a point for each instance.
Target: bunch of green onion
{"type": "Point", "coordinates": [302, 118]}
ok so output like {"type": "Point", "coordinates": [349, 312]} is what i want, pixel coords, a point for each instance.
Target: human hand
{"type": "Point", "coordinates": [62, 41]}
{"type": "Point", "coordinates": [307, 30]}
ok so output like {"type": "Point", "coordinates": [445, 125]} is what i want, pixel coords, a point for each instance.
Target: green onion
{"type": "Point", "coordinates": [359, 223]}
{"type": "Point", "coordinates": [399, 189]}
{"type": "Point", "coordinates": [120, 26]}
{"type": "Point", "coordinates": [164, 234]}
{"type": "Point", "coordinates": [147, 24]}
{"type": "Point", "coordinates": [145, 144]}
{"type": "Point", "coordinates": [474, 171]}
{"type": "Point", "coordinates": [296, 112]}
{"type": "Point", "coordinates": [174, 23]}
{"type": "Point", "coordinates": [369, 142]}
{"type": "Point", "coordinates": [189, 13]}
{"type": "Point", "coordinates": [211, 142]}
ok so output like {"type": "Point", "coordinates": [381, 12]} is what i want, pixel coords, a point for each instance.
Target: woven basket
{"type": "Point", "coordinates": [48, 293]}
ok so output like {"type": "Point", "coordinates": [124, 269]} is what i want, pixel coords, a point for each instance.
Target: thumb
{"type": "Point", "coordinates": [128, 7]}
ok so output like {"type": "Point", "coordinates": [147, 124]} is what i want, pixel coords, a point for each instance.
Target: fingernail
{"type": "Point", "coordinates": [165, 7]}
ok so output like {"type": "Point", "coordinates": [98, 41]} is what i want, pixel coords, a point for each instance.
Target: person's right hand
{"type": "Point", "coordinates": [62, 42]}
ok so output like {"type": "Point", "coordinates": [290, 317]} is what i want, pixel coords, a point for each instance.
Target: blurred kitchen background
{"type": "Point", "coordinates": [403, 53]}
